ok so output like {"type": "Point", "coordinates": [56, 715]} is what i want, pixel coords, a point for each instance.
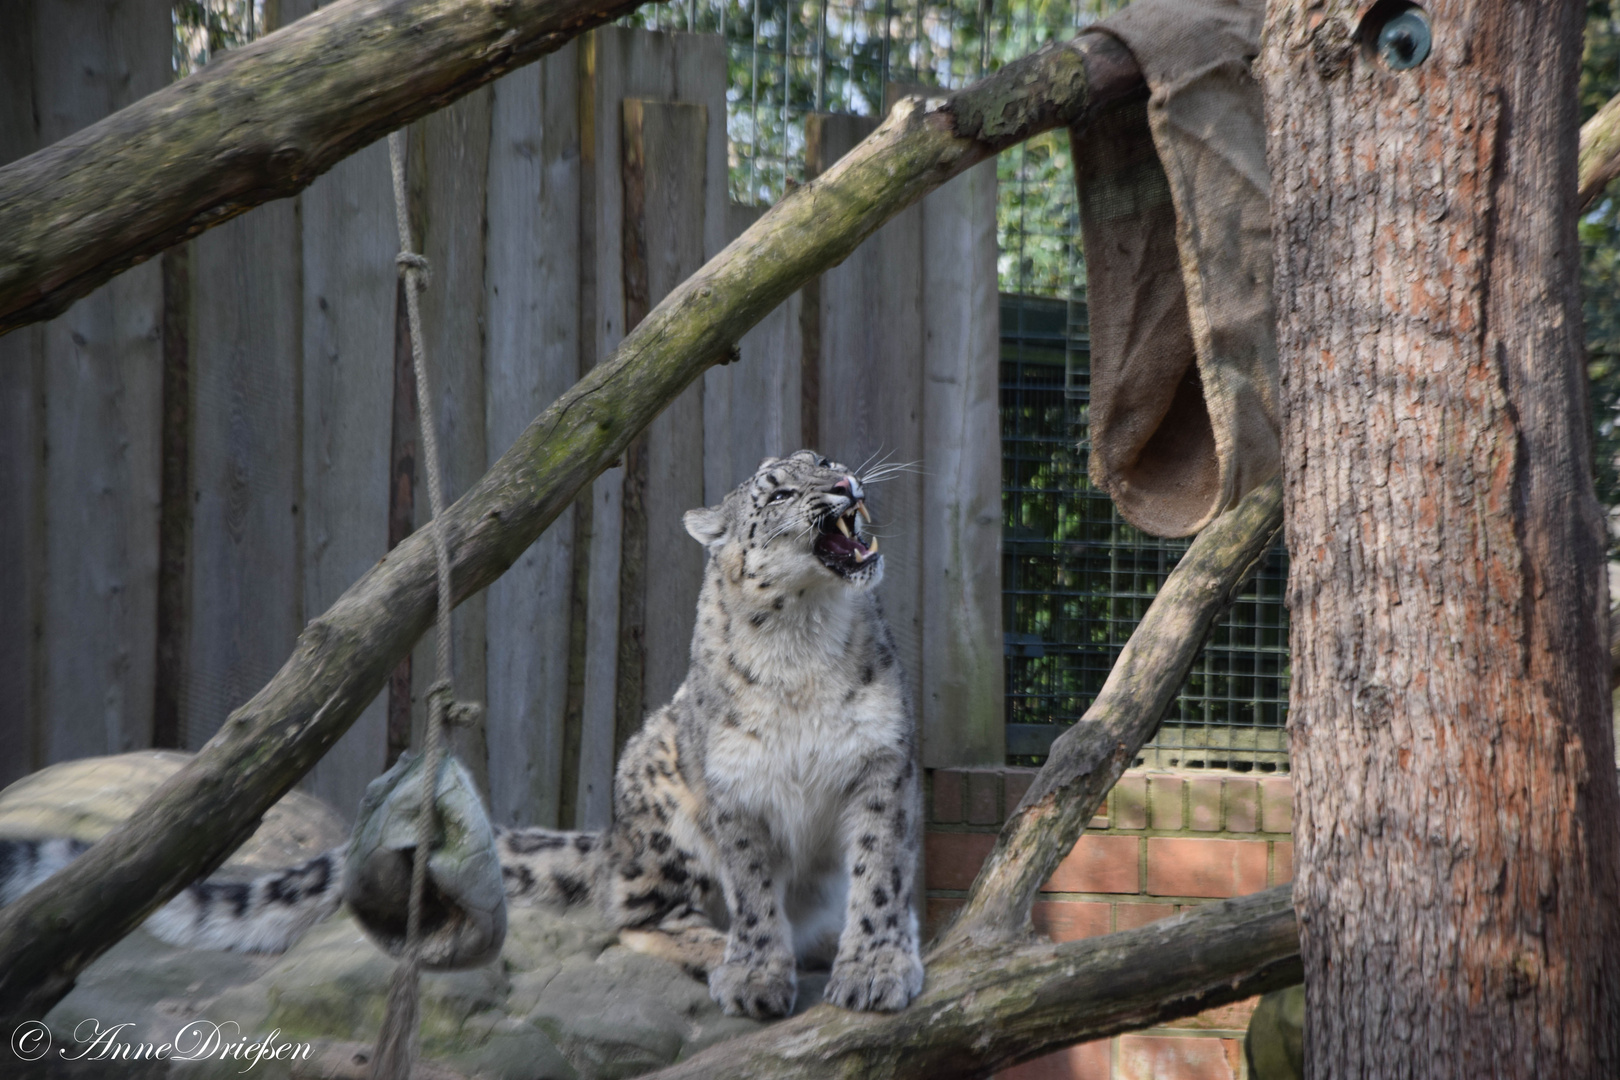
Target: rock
{"type": "Point", "coordinates": [562, 1003]}
{"type": "Point", "coordinates": [87, 798]}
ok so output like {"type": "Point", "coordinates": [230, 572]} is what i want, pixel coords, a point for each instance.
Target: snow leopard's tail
{"type": "Point", "coordinates": [265, 913]}
{"type": "Point", "coordinates": [546, 866]}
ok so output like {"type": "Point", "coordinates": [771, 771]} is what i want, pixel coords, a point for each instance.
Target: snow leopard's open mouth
{"type": "Point", "coordinates": [840, 544]}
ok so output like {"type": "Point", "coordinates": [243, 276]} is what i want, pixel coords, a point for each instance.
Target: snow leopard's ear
{"type": "Point", "coordinates": [707, 525]}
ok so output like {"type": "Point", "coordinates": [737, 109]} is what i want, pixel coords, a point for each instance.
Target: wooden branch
{"type": "Point", "coordinates": [344, 656]}
{"type": "Point", "coordinates": [1600, 153]}
{"type": "Point", "coordinates": [983, 1009]}
{"type": "Point", "coordinates": [1086, 760]}
{"type": "Point", "coordinates": [258, 123]}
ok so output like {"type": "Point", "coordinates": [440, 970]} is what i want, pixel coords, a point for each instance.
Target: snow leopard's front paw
{"type": "Point", "coordinates": [763, 989]}
{"type": "Point", "coordinates": [881, 980]}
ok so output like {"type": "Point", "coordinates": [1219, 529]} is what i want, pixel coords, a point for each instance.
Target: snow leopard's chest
{"type": "Point", "coordinates": [795, 751]}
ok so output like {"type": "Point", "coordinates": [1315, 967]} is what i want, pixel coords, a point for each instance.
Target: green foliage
{"type": "Point", "coordinates": [205, 27]}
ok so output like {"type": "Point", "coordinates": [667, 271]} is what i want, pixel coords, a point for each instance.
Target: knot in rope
{"type": "Point", "coordinates": [408, 261]}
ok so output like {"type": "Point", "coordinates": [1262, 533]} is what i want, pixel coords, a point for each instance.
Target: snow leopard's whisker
{"type": "Point", "coordinates": [888, 472]}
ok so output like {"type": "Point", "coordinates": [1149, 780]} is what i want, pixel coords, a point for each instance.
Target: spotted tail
{"type": "Point", "coordinates": [262, 914]}
{"type": "Point", "coordinates": [545, 866]}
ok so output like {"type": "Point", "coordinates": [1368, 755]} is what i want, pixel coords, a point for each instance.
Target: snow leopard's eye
{"type": "Point", "coordinates": [781, 493]}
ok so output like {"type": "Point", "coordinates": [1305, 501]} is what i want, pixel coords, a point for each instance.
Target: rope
{"type": "Point", "coordinates": [395, 1044]}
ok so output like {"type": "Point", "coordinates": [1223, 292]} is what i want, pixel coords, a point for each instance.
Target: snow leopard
{"type": "Point", "coordinates": [767, 817]}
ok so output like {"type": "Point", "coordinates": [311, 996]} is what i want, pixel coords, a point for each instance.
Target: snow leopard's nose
{"type": "Point", "coordinates": [850, 488]}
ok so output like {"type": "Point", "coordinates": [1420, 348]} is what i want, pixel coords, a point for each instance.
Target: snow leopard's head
{"type": "Point", "coordinates": [797, 518]}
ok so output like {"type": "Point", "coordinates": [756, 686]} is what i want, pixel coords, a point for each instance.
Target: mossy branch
{"type": "Point", "coordinates": [1089, 758]}
{"type": "Point", "coordinates": [258, 123]}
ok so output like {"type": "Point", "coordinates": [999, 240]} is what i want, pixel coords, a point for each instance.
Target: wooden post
{"type": "Point", "coordinates": [99, 417]}
{"type": "Point", "coordinates": [1457, 863]}
{"type": "Point", "coordinates": [619, 64]}
{"type": "Point", "coordinates": [244, 592]}
{"type": "Point", "coordinates": [962, 686]}
{"type": "Point", "coordinates": [21, 444]}
{"type": "Point", "coordinates": [349, 285]}
{"type": "Point", "coordinates": [532, 356]}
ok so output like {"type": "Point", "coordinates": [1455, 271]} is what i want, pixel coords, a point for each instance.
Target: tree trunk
{"type": "Point", "coordinates": [344, 656]}
{"type": "Point", "coordinates": [1455, 805]}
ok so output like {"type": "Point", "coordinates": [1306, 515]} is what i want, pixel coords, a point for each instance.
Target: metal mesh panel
{"type": "Point", "coordinates": [1077, 579]}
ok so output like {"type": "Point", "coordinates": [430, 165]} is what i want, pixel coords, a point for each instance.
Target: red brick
{"type": "Point", "coordinates": [1242, 806]}
{"type": "Point", "coordinates": [1098, 822]}
{"type": "Point", "coordinates": [1017, 782]}
{"type": "Point", "coordinates": [1070, 920]}
{"type": "Point", "coordinates": [1130, 803]}
{"type": "Point", "coordinates": [1102, 864]}
{"type": "Point", "coordinates": [947, 796]}
{"type": "Point", "coordinates": [1204, 803]}
{"type": "Point", "coordinates": [1277, 804]}
{"type": "Point", "coordinates": [1088, 1061]}
{"type": "Point", "coordinates": [1131, 916]}
{"type": "Point", "coordinates": [984, 798]}
{"type": "Point", "coordinates": [952, 860]}
{"type": "Point", "coordinates": [1164, 801]}
{"type": "Point", "coordinates": [938, 911]}
{"type": "Point", "coordinates": [1179, 866]}
{"type": "Point", "coordinates": [1170, 1057]}
{"type": "Point", "coordinates": [1282, 862]}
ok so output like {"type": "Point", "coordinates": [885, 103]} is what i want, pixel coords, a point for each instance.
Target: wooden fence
{"type": "Point", "coordinates": [208, 451]}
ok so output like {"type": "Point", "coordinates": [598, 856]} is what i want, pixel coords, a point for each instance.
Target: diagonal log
{"type": "Point", "coordinates": [258, 123]}
{"type": "Point", "coordinates": [345, 655]}
{"type": "Point", "coordinates": [985, 1008]}
{"type": "Point", "coordinates": [1600, 153]}
{"type": "Point", "coordinates": [1086, 760]}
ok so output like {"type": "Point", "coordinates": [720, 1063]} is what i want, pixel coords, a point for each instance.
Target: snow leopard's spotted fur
{"type": "Point", "coordinates": [769, 811]}
{"type": "Point", "coordinates": [776, 795]}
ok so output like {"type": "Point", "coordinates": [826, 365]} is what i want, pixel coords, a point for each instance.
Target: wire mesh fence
{"type": "Point", "coordinates": [789, 58]}
{"type": "Point", "coordinates": [1077, 579]}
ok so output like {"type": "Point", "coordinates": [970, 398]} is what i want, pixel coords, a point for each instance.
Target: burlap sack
{"type": "Point", "coordinates": [464, 920]}
{"type": "Point", "coordinates": [1176, 220]}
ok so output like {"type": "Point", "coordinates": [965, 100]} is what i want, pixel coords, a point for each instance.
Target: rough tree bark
{"type": "Point", "coordinates": [345, 655]}
{"type": "Point", "coordinates": [1455, 811]}
{"type": "Point", "coordinates": [259, 123]}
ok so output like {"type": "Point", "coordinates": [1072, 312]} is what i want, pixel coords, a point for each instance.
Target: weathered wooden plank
{"type": "Point", "coordinates": [103, 370]}
{"type": "Point", "coordinates": [960, 605]}
{"type": "Point", "coordinates": [448, 169]}
{"type": "Point", "coordinates": [665, 190]}
{"type": "Point", "coordinates": [246, 594]}
{"type": "Point", "coordinates": [751, 409]}
{"type": "Point", "coordinates": [619, 63]}
{"type": "Point", "coordinates": [531, 358]}
{"type": "Point", "coordinates": [870, 374]}
{"type": "Point", "coordinates": [349, 241]}
{"type": "Point", "coordinates": [21, 445]}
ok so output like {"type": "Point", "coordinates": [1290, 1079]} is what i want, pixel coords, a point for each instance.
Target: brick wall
{"type": "Point", "coordinates": [1163, 842]}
